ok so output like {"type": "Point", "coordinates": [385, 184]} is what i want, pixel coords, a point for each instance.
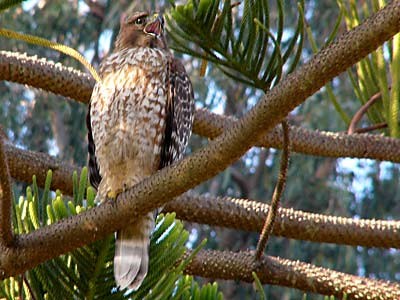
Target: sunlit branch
{"type": "Point", "coordinates": [243, 214]}
{"type": "Point", "coordinates": [294, 274]}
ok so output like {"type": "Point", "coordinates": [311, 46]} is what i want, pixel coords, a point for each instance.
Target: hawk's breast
{"type": "Point", "coordinates": [128, 107]}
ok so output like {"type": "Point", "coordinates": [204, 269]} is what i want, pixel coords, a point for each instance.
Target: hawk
{"type": "Point", "coordinates": [139, 120]}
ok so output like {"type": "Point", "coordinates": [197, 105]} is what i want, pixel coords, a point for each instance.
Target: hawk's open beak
{"type": "Point", "coordinates": [156, 26]}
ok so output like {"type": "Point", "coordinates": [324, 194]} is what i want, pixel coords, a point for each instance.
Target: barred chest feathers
{"type": "Point", "coordinates": [129, 112]}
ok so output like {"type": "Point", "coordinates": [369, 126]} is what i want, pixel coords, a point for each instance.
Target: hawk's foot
{"type": "Point", "coordinates": [113, 194]}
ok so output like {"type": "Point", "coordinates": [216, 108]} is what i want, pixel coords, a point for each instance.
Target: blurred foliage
{"type": "Point", "coordinates": [250, 45]}
{"type": "Point", "coordinates": [6, 4]}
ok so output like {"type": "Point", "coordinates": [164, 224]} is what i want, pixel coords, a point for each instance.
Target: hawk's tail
{"type": "Point", "coordinates": [131, 259]}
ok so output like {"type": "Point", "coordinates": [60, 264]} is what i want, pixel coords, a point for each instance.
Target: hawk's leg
{"type": "Point", "coordinates": [121, 179]}
{"type": "Point", "coordinates": [113, 194]}
{"type": "Point", "coordinates": [105, 191]}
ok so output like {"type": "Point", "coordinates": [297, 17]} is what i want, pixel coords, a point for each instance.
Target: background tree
{"type": "Point", "coordinates": [41, 122]}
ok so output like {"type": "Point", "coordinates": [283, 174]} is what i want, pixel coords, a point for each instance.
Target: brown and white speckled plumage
{"type": "Point", "coordinates": [139, 120]}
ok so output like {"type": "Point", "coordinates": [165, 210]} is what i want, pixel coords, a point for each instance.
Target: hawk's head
{"type": "Point", "coordinates": [141, 30]}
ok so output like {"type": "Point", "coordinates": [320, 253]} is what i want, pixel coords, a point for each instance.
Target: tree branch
{"type": "Point", "coordinates": [248, 215]}
{"type": "Point", "coordinates": [294, 274]}
{"type": "Point", "coordinates": [169, 182]}
{"type": "Point", "coordinates": [228, 212]}
{"type": "Point", "coordinates": [71, 83]}
{"type": "Point", "coordinates": [46, 75]}
{"type": "Point", "coordinates": [310, 142]}
{"type": "Point", "coordinates": [361, 112]}
{"type": "Point", "coordinates": [279, 188]}
{"type": "Point", "coordinates": [23, 164]}
{"type": "Point", "coordinates": [381, 125]}
{"type": "Point", "coordinates": [6, 234]}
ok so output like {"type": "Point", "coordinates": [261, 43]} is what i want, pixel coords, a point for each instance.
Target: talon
{"type": "Point", "coordinates": [112, 194]}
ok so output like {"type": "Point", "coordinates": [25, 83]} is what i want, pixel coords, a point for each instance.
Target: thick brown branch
{"type": "Point", "coordinates": [250, 215]}
{"type": "Point", "coordinates": [170, 182]}
{"type": "Point", "coordinates": [318, 143]}
{"type": "Point", "coordinates": [228, 212]}
{"type": "Point", "coordinates": [23, 164]}
{"type": "Point", "coordinates": [6, 235]}
{"type": "Point", "coordinates": [46, 75]}
{"type": "Point", "coordinates": [294, 274]}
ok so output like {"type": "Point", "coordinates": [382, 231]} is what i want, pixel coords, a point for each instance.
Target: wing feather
{"type": "Point", "coordinates": [94, 172]}
{"type": "Point", "coordinates": [180, 113]}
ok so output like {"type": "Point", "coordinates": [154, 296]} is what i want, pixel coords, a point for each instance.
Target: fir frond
{"type": "Point", "coordinates": [251, 51]}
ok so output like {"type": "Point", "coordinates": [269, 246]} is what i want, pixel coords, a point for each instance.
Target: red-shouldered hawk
{"type": "Point", "coordinates": [139, 120]}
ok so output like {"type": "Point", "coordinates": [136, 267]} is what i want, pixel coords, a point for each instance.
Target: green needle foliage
{"type": "Point", "coordinates": [258, 286]}
{"type": "Point", "coordinates": [251, 51]}
{"type": "Point", "coordinates": [379, 73]}
{"type": "Point", "coordinates": [87, 273]}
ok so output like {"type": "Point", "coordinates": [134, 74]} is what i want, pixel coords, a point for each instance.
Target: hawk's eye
{"type": "Point", "coordinates": [140, 21]}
